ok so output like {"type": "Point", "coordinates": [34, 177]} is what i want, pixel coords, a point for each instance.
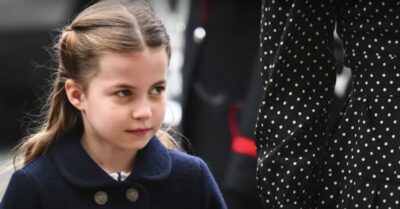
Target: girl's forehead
{"type": "Point", "coordinates": [148, 65]}
{"type": "Point", "coordinates": [145, 59]}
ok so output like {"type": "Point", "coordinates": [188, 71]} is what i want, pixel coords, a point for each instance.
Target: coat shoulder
{"type": "Point", "coordinates": [39, 166]}
{"type": "Point", "coordinates": [192, 170]}
{"type": "Point", "coordinates": [185, 162]}
{"type": "Point", "coordinates": [27, 180]}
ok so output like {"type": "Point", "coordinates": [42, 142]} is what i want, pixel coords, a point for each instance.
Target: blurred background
{"type": "Point", "coordinates": [214, 85]}
{"type": "Point", "coordinates": [27, 30]}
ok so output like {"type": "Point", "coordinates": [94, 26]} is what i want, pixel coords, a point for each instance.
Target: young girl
{"type": "Point", "coordinates": [97, 146]}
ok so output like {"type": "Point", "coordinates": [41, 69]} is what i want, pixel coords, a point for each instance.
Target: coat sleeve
{"type": "Point", "coordinates": [210, 193]}
{"type": "Point", "coordinates": [298, 71]}
{"type": "Point", "coordinates": [20, 193]}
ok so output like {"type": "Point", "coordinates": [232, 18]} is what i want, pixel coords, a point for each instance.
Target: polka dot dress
{"type": "Point", "coordinates": [300, 164]}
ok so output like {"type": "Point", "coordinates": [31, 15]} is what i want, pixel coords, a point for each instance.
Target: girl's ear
{"type": "Point", "coordinates": [74, 93]}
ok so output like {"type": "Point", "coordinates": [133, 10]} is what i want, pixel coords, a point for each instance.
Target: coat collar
{"type": "Point", "coordinates": [153, 163]}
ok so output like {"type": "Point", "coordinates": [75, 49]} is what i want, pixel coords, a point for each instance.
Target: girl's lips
{"type": "Point", "coordinates": [139, 132]}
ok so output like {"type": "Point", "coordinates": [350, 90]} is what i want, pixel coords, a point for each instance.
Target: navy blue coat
{"type": "Point", "coordinates": [66, 177]}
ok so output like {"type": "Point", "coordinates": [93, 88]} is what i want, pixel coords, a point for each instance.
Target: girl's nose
{"type": "Point", "coordinates": [142, 112]}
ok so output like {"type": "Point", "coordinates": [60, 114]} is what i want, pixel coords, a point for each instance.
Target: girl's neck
{"type": "Point", "coordinates": [110, 158]}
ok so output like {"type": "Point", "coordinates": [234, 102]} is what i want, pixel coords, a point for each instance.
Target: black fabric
{"type": "Point", "coordinates": [303, 163]}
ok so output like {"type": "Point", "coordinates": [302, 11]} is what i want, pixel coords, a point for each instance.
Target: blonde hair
{"type": "Point", "coordinates": [107, 26]}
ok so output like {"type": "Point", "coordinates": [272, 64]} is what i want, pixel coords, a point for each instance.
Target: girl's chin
{"type": "Point", "coordinates": [136, 145]}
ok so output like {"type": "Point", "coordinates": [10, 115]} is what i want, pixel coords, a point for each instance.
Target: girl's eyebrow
{"type": "Point", "coordinates": [161, 82]}
{"type": "Point", "coordinates": [123, 86]}
{"type": "Point", "coordinates": [127, 86]}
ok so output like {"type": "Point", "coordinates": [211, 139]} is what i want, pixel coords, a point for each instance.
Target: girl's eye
{"type": "Point", "coordinates": [158, 90]}
{"type": "Point", "coordinates": [123, 93]}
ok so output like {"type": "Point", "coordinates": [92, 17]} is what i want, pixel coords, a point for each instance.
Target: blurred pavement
{"type": "Point", "coordinates": [5, 170]}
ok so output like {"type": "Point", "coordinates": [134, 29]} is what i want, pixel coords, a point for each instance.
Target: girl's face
{"type": "Point", "coordinates": [125, 102]}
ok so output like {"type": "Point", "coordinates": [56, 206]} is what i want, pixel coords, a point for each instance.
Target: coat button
{"type": "Point", "coordinates": [101, 197]}
{"type": "Point", "coordinates": [132, 194]}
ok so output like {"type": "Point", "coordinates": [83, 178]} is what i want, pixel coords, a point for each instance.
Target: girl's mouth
{"type": "Point", "coordinates": [139, 131]}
